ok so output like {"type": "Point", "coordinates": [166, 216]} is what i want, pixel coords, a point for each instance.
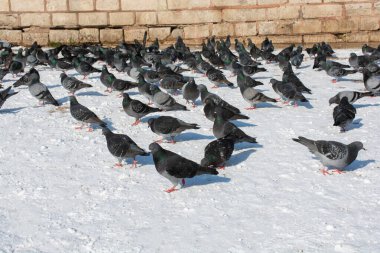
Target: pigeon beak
{"type": "Point", "coordinates": [364, 149]}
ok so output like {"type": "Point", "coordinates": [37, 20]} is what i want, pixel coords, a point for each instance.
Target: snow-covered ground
{"type": "Point", "coordinates": [59, 191]}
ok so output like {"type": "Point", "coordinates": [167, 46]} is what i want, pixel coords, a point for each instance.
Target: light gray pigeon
{"type": "Point", "coordinates": [331, 153]}
{"type": "Point", "coordinates": [176, 168]}
{"type": "Point", "coordinates": [136, 109]}
{"type": "Point", "coordinates": [83, 114]}
{"type": "Point", "coordinates": [343, 114]}
{"type": "Point", "coordinates": [352, 96]}
{"type": "Point", "coordinates": [169, 127]}
{"type": "Point", "coordinates": [164, 101]}
{"type": "Point", "coordinates": [122, 147]}
{"type": "Point", "coordinates": [4, 95]}
{"type": "Point", "coordinates": [371, 80]}
{"type": "Point", "coordinates": [36, 88]}
{"type": "Point", "coordinates": [72, 84]}
{"type": "Point", "coordinates": [190, 91]}
{"type": "Point", "coordinates": [334, 71]}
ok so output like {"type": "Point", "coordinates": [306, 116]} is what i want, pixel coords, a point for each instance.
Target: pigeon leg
{"type": "Point", "coordinates": [172, 140]}
{"type": "Point", "coordinates": [118, 165]}
{"type": "Point", "coordinates": [285, 102]}
{"type": "Point", "coordinates": [278, 99]}
{"type": "Point", "coordinates": [109, 90]}
{"type": "Point", "coordinates": [295, 104]}
{"type": "Point", "coordinates": [120, 95]}
{"type": "Point", "coordinates": [215, 87]}
{"type": "Point", "coordinates": [84, 77]}
{"type": "Point", "coordinates": [149, 102]}
{"type": "Point", "coordinates": [172, 189]}
{"type": "Point", "coordinates": [337, 171]}
{"type": "Point", "coordinates": [90, 129]}
{"type": "Point", "coordinates": [222, 167]}
{"type": "Point", "coordinates": [71, 93]}
{"type": "Point", "coordinates": [134, 165]}
{"type": "Point", "coordinates": [193, 104]}
{"type": "Point", "coordinates": [136, 122]}
{"type": "Point", "coordinates": [158, 141]}
{"type": "Point", "coordinates": [183, 181]}
{"type": "Point", "coordinates": [78, 127]}
{"type": "Point", "coordinates": [334, 81]}
{"type": "Point", "coordinates": [251, 108]}
{"type": "Point", "coordinates": [325, 172]}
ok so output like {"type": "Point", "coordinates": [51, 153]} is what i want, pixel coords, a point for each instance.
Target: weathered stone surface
{"type": "Point", "coordinates": [8, 20]}
{"type": "Point", "coordinates": [357, 37]}
{"type": "Point", "coordinates": [133, 33]}
{"type": "Point", "coordinates": [340, 25]}
{"type": "Point", "coordinates": [286, 39]}
{"type": "Point", "coordinates": [65, 19]}
{"type": "Point", "coordinates": [122, 18]}
{"type": "Point", "coordinates": [223, 29]}
{"type": "Point", "coordinates": [196, 31]}
{"type": "Point", "coordinates": [35, 19]}
{"type": "Point", "coordinates": [268, 2]}
{"type": "Point", "coordinates": [245, 29]}
{"type": "Point", "coordinates": [160, 32]}
{"type": "Point", "coordinates": [176, 32]}
{"type": "Point", "coordinates": [81, 5]}
{"type": "Point", "coordinates": [189, 17]}
{"type": "Point", "coordinates": [222, 3]}
{"type": "Point", "coordinates": [107, 5]}
{"type": "Point", "coordinates": [319, 38]}
{"type": "Point", "coordinates": [320, 11]}
{"type": "Point", "coordinates": [111, 36]}
{"type": "Point", "coordinates": [304, 1]}
{"type": "Point", "coordinates": [66, 36]}
{"type": "Point", "coordinates": [307, 26]}
{"type": "Point", "coordinates": [56, 5]}
{"type": "Point", "coordinates": [146, 18]}
{"type": "Point", "coordinates": [28, 5]}
{"type": "Point", "coordinates": [186, 4]}
{"type": "Point", "coordinates": [89, 35]}
{"type": "Point", "coordinates": [374, 36]}
{"type": "Point", "coordinates": [275, 27]}
{"type": "Point", "coordinates": [369, 23]}
{"type": "Point", "coordinates": [145, 5]}
{"type": "Point", "coordinates": [92, 19]}
{"type": "Point", "coordinates": [41, 36]}
{"type": "Point", "coordinates": [4, 5]}
{"type": "Point", "coordinates": [243, 15]}
{"type": "Point", "coordinates": [12, 36]}
{"type": "Point", "coordinates": [356, 9]}
{"type": "Point", "coordinates": [283, 12]}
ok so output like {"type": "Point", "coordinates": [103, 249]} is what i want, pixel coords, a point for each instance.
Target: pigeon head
{"type": "Point", "coordinates": [126, 96]}
{"type": "Point", "coordinates": [202, 87]}
{"type": "Point", "coordinates": [344, 100]}
{"type": "Point", "coordinates": [357, 145]}
{"type": "Point", "coordinates": [205, 162]}
{"type": "Point", "coordinates": [334, 100]}
{"type": "Point", "coordinates": [63, 75]}
{"type": "Point", "coordinates": [106, 131]}
{"type": "Point", "coordinates": [154, 147]}
{"type": "Point", "coordinates": [73, 100]}
{"type": "Point", "coordinates": [150, 122]}
{"type": "Point", "coordinates": [353, 55]}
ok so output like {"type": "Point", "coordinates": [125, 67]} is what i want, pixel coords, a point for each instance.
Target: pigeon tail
{"type": "Point", "coordinates": [207, 170]}
{"type": "Point", "coordinates": [304, 141]}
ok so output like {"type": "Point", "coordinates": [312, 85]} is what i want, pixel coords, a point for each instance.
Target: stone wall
{"type": "Point", "coordinates": [110, 21]}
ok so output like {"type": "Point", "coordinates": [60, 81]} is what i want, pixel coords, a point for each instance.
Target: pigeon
{"type": "Point", "coordinates": [122, 147]}
{"type": "Point", "coordinates": [359, 61]}
{"type": "Point", "coordinates": [290, 77]}
{"type": "Point", "coordinates": [371, 80]}
{"type": "Point", "coordinates": [253, 97]}
{"type": "Point", "coordinates": [83, 114]}
{"type": "Point", "coordinates": [107, 78]}
{"type": "Point", "coordinates": [72, 84]}
{"type": "Point", "coordinates": [216, 99]}
{"type": "Point", "coordinates": [4, 95]}
{"type": "Point", "coordinates": [59, 64]}
{"type": "Point", "coordinates": [296, 60]}
{"type": "Point", "coordinates": [169, 127]}
{"type": "Point", "coordinates": [122, 85]}
{"type": "Point", "coordinates": [190, 92]}
{"type": "Point", "coordinates": [246, 81]}
{"type": "Point", "coordinates": [287, 91]}
{"type": "Point", "coordinates": [343, 114]}
{"type": "Point", "coordinates": [217, 78]}
{"type": "Point", "coordinates": [222, 128]}
{"type": "Point", "coordinates": [331, 153]}
{"type": "Point", "coordinates": [15, 68]}
{"type": "Point", "coordinates": [3, 73]}
{"type": "Point", "coordinates": [136, 109]}
{"type": "Point", "coordinates": [322, 58]}
{"type": "Point", "coordinates": [209, 110]}
{"type": "Point", "coordinates": [164, 101]}
{"type": "Point", "coordinates": [144, 89]}
{"type": "Point", "coordinates": [267, 45]}
{"type": "Point", "coordinates": [175, 167]}
{"type": "Point", "coordinates": [84, 68]}
{"type": "Point", "coordinates": [36, 88]}
{"type": "Point", "coordinates": [368, 50]}
{"type": "Point", "coordinates": [335, 71]}
{"type": "Point", "coordinates": [218, 152]}
{"type": "Point", "coordinates": [171, 84]}
{"type": "Point", "coordinates": [352, 96]}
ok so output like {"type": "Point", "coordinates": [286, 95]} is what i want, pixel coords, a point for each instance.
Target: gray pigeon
{"type": "Point", "coordinates": [83, 114]}
{"type": "Point", "coordinates": [287, 91]}
{"type": "Point", "coordinates": [359, 61]}
{"type": "Point", "coordinates": [144, 89]}
{"type": "Point", "coordinates": [222, 128]}
{"type": "Point", "coordinates": [217, 100]}
{"type": "Point", "coordinates": [4, 95]}
{"type": "Point", "coordinates": [331, 153]}
{"type": "Point", "coordinates": [217, 78]}
{"type": "Point", "coordinates": [246, 81]}
{"type": "Point", "coordinates": [352, 96]}
{"type": "Point", "coordinates": [334, 71]}
{"type": "Point", "coordinates": [36, 88]}
{"type": "Point", "coordinates": [290, 77]}
{"type": "Point", "coordinates": [343, 114]}
{"type": "Point", "coordinates": [209, 110]}
{"type": "Point", "coordinates": [164, 101]}
{"type": "Point", "coordinates": [253, 97]}
{"type": "Point", "coordinates": [169, 127]}
{"type": "Point", "coordinates": [122, 147]}
{"type": "Point", "coordinates": [136, 109]}
{"type": "Point", "coordinates": [371, 80]}
{"type": "Point", "coordinates": [190, 91]}
{"type": "Point", "coordinates": [84, 68]}
{"type": "Point", "coordinates": [218, 152]}
{"type": "Point", "coordinates": [175, 167]}
{"type": "Point", "coordinates": [72, 84]}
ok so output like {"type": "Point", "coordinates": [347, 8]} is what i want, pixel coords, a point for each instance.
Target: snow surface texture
{"type": "Point", "coordinates": [59, 191]}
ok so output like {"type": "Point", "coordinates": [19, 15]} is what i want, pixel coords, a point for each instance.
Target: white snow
{"type": "Point", "coordinates": [59, 191]}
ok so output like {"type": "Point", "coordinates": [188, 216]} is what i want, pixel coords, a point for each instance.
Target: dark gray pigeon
{"type": "Point", "coordinates": [83, 114]}
{"type": "Point", "coordinates": [190, 92]}
{"type": "Point", "coordinates": [331, 153]}
{"type": "Point", "coordinates": [218, 152]}
{"type": "Point", "coordinates": [144, 89]}
{"type": "Point", "coordinates": [352, 96]}
{"type": "Point", "coordinates": [84, 68]}
{"type": "Point", "coordinates": [176, 168]}
{"type": "Point", "coordinates": [371, 80]}
{"type": "Point", "coordinates": [359, 61]}
{"type": "Point", "coordinates": [36, 88]}
{"type": "Point", "coordinates": [217, 78]}
{"type": "Point", "coordinates": [222, 128]}
{"type": "Point", "coordinates": [4, 95]}
{"type": "Point", "coordinates": [136, 109]}
{"type": "Point", "coordinates": [335, 71]}
{"type": "Point", "coordinates": [72, 84]}
{"type": "Point", "coordinates": [209, 110]}
{"type": "Point", "coordinates": [122, 147]}
{"type": "Point", "coordinates": [290, 77]}
{"type": "Point", "coordinates": [246, 81]}
{"type": "Point", "coordinates": [217, 100]}
{"type": "Point", "coordinates": [344, 114]}
{"type": "Point", "coordinates": [288, 92]}
{"type": "Point", "coordinates": [164, 101]}
{"type": "Point", "coordinates": [169, 127]}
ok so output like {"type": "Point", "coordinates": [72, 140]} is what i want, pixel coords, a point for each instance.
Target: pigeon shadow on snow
{"type": "Point", "coordinates": [189, 136]}
{"type": "Point", "coordinates": [240, 157]}
{"type": "Point", "coordinates": [11, 110]}
{"type": "Point", "coordinates": [63, 100]}
{"type": "Point", "coordinates": [267, 105]}
{"type": "Point", "coordinates": [205, 180]}
{"type": "Point", "coordinates": [304, 67]}
{"type": "Point", "coordinates": [366, 105]}
{"type": "Point", "coordinates": [356, 165]}
{"type": "Point", "coordinates": [247, 145]}
{"type": "Point", "coordinates": [355, 124]}
{"type": "Point", "coordinates": [243, 124]}
{"type": "Point", "coordinates": [91, 93]}
{"type": "Point", "coordinates": [109, 124]}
